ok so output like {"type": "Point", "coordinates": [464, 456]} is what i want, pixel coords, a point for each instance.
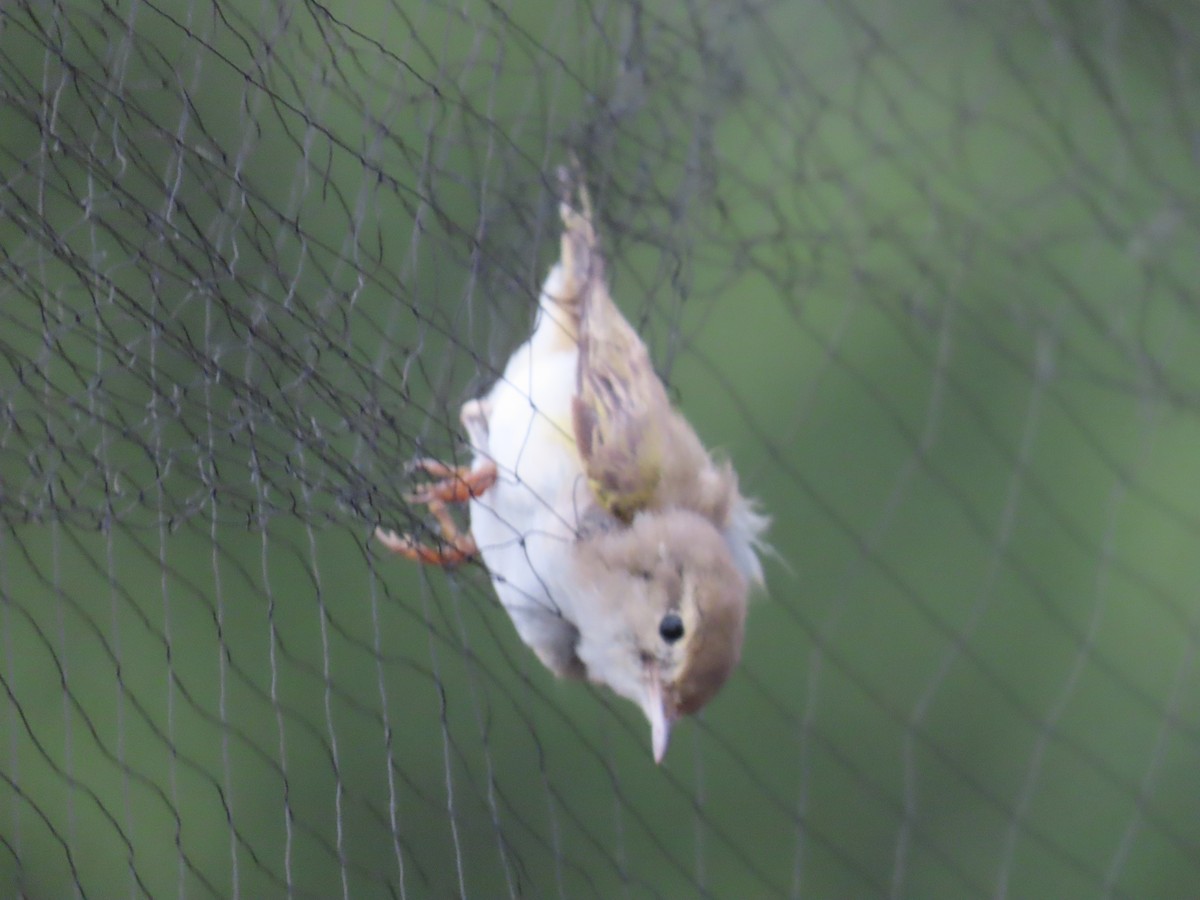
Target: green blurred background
{"type": "Point", "coordinates": [926, 273]}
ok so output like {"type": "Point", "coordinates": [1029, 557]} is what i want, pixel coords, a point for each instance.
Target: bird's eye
{"type": "Point", "coordinates": [671, 627]}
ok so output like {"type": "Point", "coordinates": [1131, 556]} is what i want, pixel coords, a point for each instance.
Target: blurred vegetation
{"type": "Point", "coordinates": [928, 276]}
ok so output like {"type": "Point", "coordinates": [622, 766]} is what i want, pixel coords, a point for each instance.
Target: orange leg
{"type": "Point", "coordinates": [459, 547]}
{"type": "Point", "coordinates": [456, 484]}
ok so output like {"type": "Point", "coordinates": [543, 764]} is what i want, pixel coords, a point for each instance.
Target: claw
{"type": "Point", "coordinates": [453, 554]}
{"type": "Point", "coordinates": [455, 484]}
{"type": "Point", "coordinates": [434, 467]}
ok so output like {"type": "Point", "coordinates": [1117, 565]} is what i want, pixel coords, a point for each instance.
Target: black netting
{"type": "Point", "coordinates": [927, 273]}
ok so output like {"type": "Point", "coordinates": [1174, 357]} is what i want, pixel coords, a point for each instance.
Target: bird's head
{"type": "Point", "coordinates": [674, 610]}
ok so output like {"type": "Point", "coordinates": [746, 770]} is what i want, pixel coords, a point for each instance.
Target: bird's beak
{"type": "Point", "coordinates": [654, 706]}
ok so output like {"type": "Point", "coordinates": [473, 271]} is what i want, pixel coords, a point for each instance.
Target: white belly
{"type": "Point", "coordinates": [525, 524]}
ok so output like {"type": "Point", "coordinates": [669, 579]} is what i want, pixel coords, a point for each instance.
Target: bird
{"type": "Point", "coordinates": [622, 551]}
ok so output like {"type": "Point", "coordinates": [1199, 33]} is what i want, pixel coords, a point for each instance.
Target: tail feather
{"type": "Point", "coordinates": [580, 268]}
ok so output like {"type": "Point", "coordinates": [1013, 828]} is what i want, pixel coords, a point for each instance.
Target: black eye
{"type": "Point", "coordinates": [671, 627]}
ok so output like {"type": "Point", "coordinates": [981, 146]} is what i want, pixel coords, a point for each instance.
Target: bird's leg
{"type": "Point", "coordinates": [455, 484]}
{"type": "Point", "coordinates": [459, 546]}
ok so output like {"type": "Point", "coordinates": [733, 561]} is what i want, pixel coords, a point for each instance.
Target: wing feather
{"type": "Point", "coordinates": [637, 452]}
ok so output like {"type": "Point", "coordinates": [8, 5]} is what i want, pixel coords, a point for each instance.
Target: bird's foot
{"type": "Point", "coordinates": [455, 484]}
{"type": "Point", "coordinates": [456, 547]}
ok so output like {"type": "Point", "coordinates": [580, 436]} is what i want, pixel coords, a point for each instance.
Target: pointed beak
{"type": "Point", "coordinates": [656, 712]}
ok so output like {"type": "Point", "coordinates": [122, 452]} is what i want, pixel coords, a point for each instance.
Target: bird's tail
{"type": "Point", "coordinates": [582, 262]}
{"type": "Point", "coordinates": [580, 268]}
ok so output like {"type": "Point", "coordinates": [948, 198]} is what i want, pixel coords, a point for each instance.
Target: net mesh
{"type": "Point", "coordinates": [927, 274]}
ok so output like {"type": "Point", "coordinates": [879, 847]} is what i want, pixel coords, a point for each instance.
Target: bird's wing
{"type": "Point", "coordinates": [621, 408]}
{"type": "Point", "coordinates": [636, 450]}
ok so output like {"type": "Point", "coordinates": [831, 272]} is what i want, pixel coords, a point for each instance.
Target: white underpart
{"type": "Point", "coordinates": [525, 523]}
